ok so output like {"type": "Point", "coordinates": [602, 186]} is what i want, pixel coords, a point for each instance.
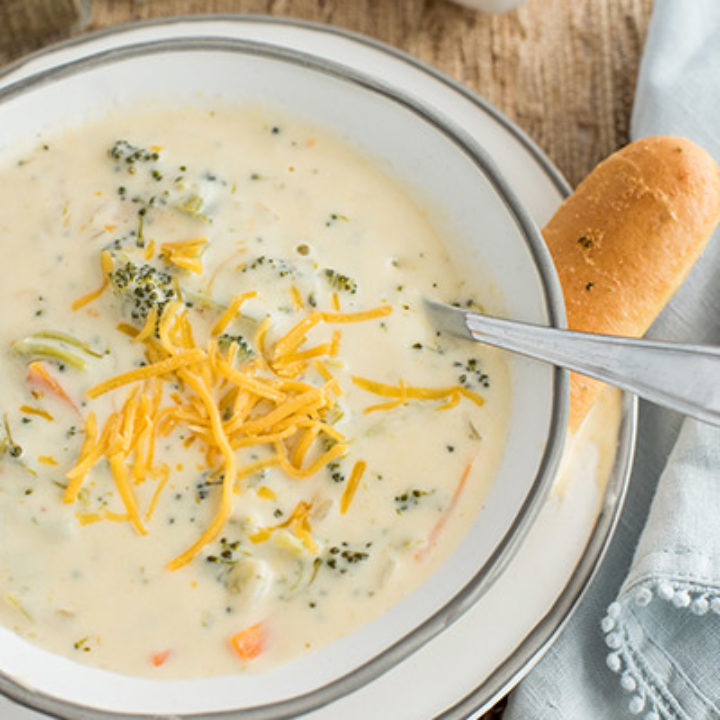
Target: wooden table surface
{"type": "Point", "coordinates": [564, 70]}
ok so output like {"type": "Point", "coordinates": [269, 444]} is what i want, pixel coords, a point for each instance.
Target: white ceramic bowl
{"type": "Point", "coordinates": [490, 236]}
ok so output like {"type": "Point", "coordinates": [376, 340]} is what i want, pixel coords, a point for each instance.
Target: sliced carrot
{"type": "Point", "coordinates": [249, 643]}
{"type": "Point", "coordinates": [159, 658]}
{"type": "Point", "coordinates": [440, 524]}
{"type": "Point", "coordinates": [38, 374]}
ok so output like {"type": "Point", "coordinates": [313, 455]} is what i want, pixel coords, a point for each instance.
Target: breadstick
{"type": "Point", "coordinates": [625, 240]}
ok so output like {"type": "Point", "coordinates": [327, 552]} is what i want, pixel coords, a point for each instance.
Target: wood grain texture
{"type": "Point", "coordinates": [27, 24]}
{"type": "Point", "coordinates": [564, 70]}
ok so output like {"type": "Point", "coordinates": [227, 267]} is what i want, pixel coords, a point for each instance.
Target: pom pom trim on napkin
{"type": "Point", "coordinates": [625, 637]}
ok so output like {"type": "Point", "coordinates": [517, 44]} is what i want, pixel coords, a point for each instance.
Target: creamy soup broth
{"type": "Point", "coordinates": [227, 202]}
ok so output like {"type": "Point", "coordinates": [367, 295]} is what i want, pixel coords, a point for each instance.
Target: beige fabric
{"type": "Point", "coordinates": [564, 70]}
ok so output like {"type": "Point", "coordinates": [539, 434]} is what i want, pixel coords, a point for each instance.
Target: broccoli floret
{"type": "Point", "coordinates": [340, 281]}
{"type": "Point", "coordinates": [245, 352]}
{"type": "Point", "coordinates": [409, 499]}
{"type": "Point", "coordinates": [335, 472]}
{"type": "Point", "coordinates": [142, 287]}
{"type": "Point", "coordinates": [123, 150]}
{"type": "Point", "coordinates": [280, 266]}
{"type": "Point", "coordinates": [341, 557]}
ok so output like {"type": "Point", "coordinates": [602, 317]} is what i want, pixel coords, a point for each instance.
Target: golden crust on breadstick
{"type": "Point", "coordinates": [625, 240]}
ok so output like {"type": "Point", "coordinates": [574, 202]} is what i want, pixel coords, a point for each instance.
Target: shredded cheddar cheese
{"type": "Point", "coordinates": [89, 297]}
{"type": "Point", "coordinates": [90, 518]}
{"type": "Point", "coordinates": [255, 467]}
{"type": "Point", "coordinates": [122, 481]}
{"type": "Point", "coordinates": [28, 410]}
{"type": "Point", "coordinates": [159, 368]}
{"type": "Point", "coordinates": [164, 477]}
{"type": "Point", "coordinates": [266, 493]}
{"type": "Point", "coordinates": [374, 314]}
{"type": "Point", "coordinates": [106, 266]}
{"type": "Point", "coordinates": [296, 298]}
{"type": "Point", "coordinates": [263, 403]}
{"type": "Point", "coordinates": [352, 484]}
{"type": "Point", "coordinates": [300, 524]}
{"type": "Point", "coordinates": [88, 450]}
{"type": "Point", "coordinates": [149, 250]}
{"type": "Point", "coordinates": [404, 392]}
{"type": "Point", "coordinates": [229, 315]}
{"type": "Point", "coordinates": [295, 337]}
{"type": "Point", "coordinates": [230, 471]}
{"type": "Point", "coordinates": [150, 326]}
{"type": "Point", "coordinates": [186, 254]}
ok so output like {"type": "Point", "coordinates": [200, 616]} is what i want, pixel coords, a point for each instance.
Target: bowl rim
{"type": "Point", "coordinates": [554, 307]}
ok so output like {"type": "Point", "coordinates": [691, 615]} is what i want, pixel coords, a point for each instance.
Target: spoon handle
{"type": "Point", "coordinates": [676, 375]}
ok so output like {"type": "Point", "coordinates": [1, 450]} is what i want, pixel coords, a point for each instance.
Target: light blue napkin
{"type": "Point", "coordinates": [645, 641]}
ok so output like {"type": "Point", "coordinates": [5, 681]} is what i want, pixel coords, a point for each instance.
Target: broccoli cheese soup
{"type": "Point", "coordinates": [229, 433]}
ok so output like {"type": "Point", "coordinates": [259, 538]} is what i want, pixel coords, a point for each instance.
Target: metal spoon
{"type": "Point", "coordinates": [676, 375]}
